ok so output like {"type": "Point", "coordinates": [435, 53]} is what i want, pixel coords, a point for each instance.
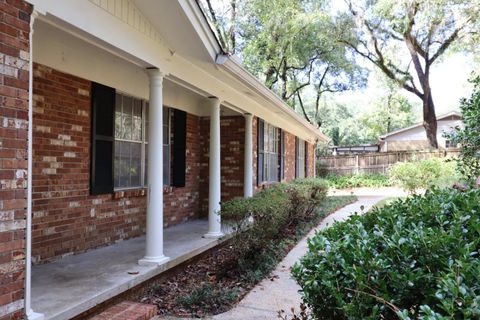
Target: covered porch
{"type": "Point", "coordinates": [96, 213]}
{"type": "Point", "coordinates": [91, 236]}
{"type": "Point", "coordinates": [68, 287]}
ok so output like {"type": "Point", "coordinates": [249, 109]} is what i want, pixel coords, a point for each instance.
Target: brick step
{"type": "Point", "coordinates": [128, 310]}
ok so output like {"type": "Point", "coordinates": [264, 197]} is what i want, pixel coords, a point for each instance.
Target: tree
{"type": "Point", "coordinates": [389, 31]}
{"type": "Point", "coordinates": [292, 45]}
{"type": "Point", "coordinates": [224, 20]}
{"type": "Point", "coordinates": [391, 111]}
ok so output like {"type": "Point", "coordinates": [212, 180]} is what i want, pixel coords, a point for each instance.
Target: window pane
{"type": "Point", "coordinates": [135, 164]}
{"type": "Point", "coordinates": [118, 116]}
{"type": "Point", "coordinates": [166, 119]}
{"type": "Point", "coordinates": [117, 166]}
{"type": "Point", "coordinates": [127, 118]}
{"type": "Point", "coordinates": [123, 161]}
{"type": "Point", "coordinates": [137, 120]}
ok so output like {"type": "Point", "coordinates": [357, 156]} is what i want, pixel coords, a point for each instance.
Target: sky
{"type": "Point", "coordinates": [449, 82]}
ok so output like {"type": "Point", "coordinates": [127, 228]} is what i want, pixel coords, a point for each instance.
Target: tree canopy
{"type": "Point", "coordinates": [404, 38]}
{"type": "Point", "coordinates": [291, 46]}
{"type": "Point", "coordinates": [303, 49]}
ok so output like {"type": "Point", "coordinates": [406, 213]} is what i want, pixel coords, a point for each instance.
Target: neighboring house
{"type": "Point", "coordinates": [415, 138]}
{"type": "Point", "coordinates": [124, 99]}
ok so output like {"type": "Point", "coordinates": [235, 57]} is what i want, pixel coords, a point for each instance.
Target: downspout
{"type": "Point", "coordinates": [28, 255]}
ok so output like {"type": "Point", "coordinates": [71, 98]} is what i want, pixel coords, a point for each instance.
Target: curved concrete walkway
{"type": "Point", "coordinates": [280, 291]}
{"type": "Point", "coordinates": [270, 296]}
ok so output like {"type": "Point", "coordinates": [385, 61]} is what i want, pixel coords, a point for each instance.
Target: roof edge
{"type": "Point", "coordinates": [419, 124]}
{"type": "Point", "coordinates": [232, 64]}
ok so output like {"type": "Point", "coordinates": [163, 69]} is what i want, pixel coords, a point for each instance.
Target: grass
{"type": "Point", "coordinates": [372, 180]}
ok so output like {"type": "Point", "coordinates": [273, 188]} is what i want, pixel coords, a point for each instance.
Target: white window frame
{"type": "Point", "coordinates": [270, 153]}
{"type": "Point", "coordinates": [144, 145]}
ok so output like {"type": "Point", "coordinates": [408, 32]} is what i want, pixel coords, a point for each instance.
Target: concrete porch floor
{"type": "Point", "coordinates": [70, 286]}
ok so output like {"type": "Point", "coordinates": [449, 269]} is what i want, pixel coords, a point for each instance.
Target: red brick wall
{"type": "Point", "coordinates": [290, 156]}
{"type": "Point", "coordinates": [66, 218]}
{"type": "Point", "coordinates": [14, 76]}
{"type": "Point", "coordinates": [232, 137]}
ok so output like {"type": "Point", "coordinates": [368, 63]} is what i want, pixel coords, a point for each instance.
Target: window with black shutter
{"type": "Point", "coordinates": [103, 139]}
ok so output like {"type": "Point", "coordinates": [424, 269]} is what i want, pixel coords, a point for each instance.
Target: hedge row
{"type": "Point", "coordinates": [270, 214]}
{"type": "Point", "coordinates": [417, 258]}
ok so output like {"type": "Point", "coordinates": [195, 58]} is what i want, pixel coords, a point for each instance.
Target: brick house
{"type": "Point", "coordinates": [121, 118]}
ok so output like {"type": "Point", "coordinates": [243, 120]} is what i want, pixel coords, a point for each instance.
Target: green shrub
{"type": "Point", "coordinates": [372, 180]}
{"type": "Point", "coordinates": [468, 138]}
{"type": "Point", "coordinates": [417, 258]}
{"type": "Point", "coordinates": [260, 220]}
{"type": "Point", "coordinates": [206, 297]}
{"type": "Point", "coordinates": [424, 174]}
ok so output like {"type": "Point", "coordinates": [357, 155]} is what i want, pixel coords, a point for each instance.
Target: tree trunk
{"type": "Point", "coordinates": [430, 119]}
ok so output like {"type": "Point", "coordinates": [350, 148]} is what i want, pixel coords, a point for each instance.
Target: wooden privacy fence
{"type": "Point", "coordinates": [378, 162]}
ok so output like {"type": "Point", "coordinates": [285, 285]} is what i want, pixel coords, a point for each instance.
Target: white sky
{"type": "Point", "coordinates": [448, 79]}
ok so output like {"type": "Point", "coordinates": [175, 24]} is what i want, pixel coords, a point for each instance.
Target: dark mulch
{"type": "Point", "coordinates": [213, 283]}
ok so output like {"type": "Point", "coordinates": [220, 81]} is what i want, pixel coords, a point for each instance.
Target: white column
{"type": "Point", "coordinates": [248, 166]}
{"type": "Point", "coordinates": [154, 237]}
{"type": "Point", "coordinates": [28, 237]}
{"type": "Point", "coordinates": [315, 159]}
{"type": "Point", "coordinates": [214, 221]}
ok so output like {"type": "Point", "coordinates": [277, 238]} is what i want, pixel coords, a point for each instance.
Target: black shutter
{"type": "Point", "coordinates": [103, 139]}
{"type": "Point", "coordinates": [297, 169]}
{"type": "Point", "coordinates": [306, 159]}
{"type": "Point", "coordinates": [179, 147]}
{"type": "Point", "coordinates": [260, 154]}
{"type": "Point", "coordinates": [282, 154]}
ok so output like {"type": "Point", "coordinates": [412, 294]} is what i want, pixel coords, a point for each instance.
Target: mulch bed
{"type": "Point", "coordinates": [223, 289]}
{"type": "Point", "coordinates": [213, 284]}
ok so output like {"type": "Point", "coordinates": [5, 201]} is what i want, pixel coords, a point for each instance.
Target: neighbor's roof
{"type": "Point", "coordinates": [454, 115]}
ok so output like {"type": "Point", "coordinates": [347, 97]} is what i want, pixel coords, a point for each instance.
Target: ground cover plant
{"type": "Point", "coordinates": [424, 174]}
{"type": "Point", "coordinates": [268, 226]}
{"type": "Point", "coordinates": [371, 180]}
{"type": "Point", "coordinates": [417, 258]}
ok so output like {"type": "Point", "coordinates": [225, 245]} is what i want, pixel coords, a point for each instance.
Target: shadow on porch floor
{"type": "Point", "coordinates": [68, 287]}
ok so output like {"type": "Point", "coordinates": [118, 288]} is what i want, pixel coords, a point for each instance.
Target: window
{"type": "Point", "coordinates": [131, 141]}
{"type": "Point", "coordinates": [268, 150]}
{"type": "Point", "coordinates": [300, 161]}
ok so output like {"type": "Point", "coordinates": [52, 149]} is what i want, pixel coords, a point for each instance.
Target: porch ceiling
{"type": "Point", "coordinates": [170, 19]}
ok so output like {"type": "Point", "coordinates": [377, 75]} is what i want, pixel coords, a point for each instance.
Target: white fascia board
{"type": "Point", "coordinates": [233, 66]}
